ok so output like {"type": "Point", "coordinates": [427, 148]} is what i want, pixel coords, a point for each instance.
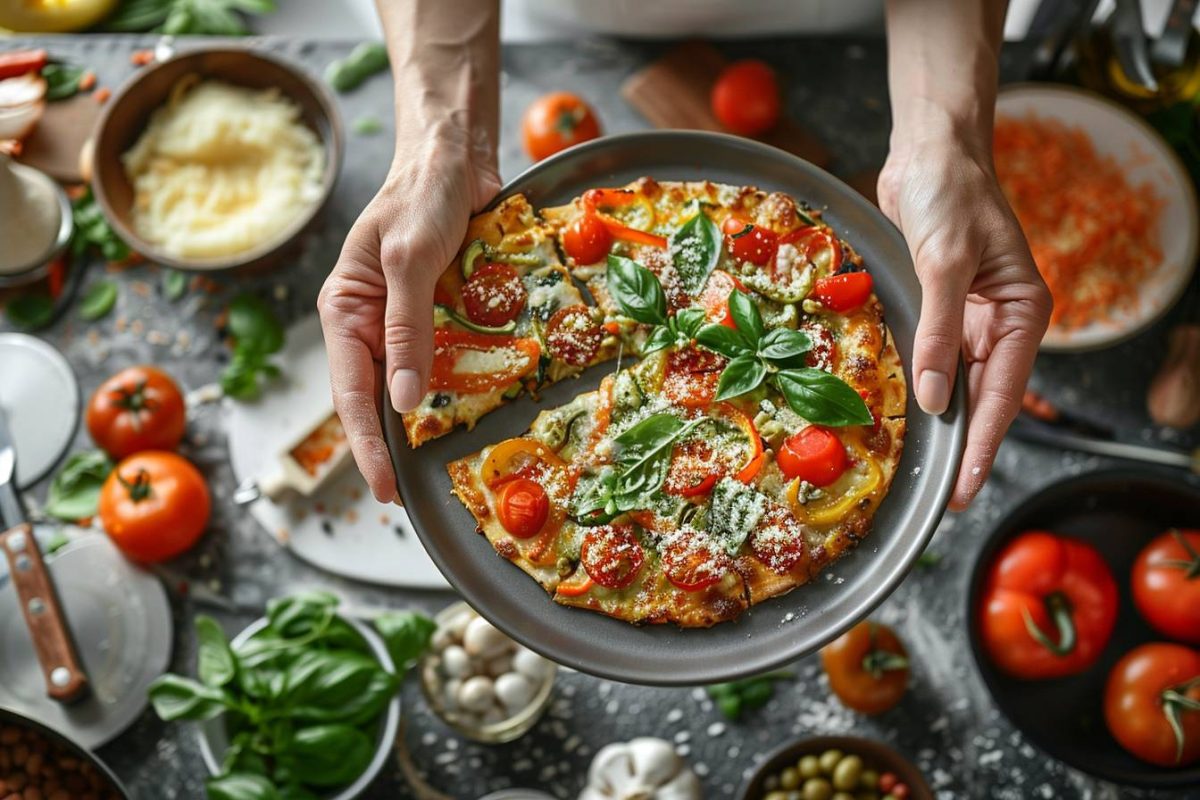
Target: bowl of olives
{"type": "Point", "coordinates": [836, 768]}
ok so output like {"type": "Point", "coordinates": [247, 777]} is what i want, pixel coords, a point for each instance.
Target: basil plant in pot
{"type": "Point", "coordinates": [301, 705]}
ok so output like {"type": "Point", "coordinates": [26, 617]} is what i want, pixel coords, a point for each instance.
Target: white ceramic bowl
{"type": "Point", "coordinates": [1124, 136]}
{"type": "Point", "coordinates": [214, 741]}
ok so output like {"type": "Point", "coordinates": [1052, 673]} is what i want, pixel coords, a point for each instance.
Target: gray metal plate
{"type": "Point", "coordinates": [40, 395]}
{"type": "Point", "coordinates": [121, 623]}
{"type": "Point", "coordinates": [768, 634]}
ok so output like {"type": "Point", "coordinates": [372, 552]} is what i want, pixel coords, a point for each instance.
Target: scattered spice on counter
{"type": "Point", "coordinates": [102, 94]}
{"type": "Point", "coordinates": [140, 58]}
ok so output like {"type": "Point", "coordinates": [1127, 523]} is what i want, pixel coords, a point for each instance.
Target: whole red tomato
{"type": "Point", "coordinates": [1049, 606]}
{"type": "Point", "coordinates": [1166, 584]}
{"type": "Point", "coordinates": [1148, 687]}
{"type": "Point", "coordinates": [154, 506]}
{"type": "Point", "coordinates": [867, 667]}
{"type": "Point", "coordinates": [745, 97]}
{"type": "Point", "coordinates": [555, 122]}
{"type": "Point", "coordinates": [139, 408]}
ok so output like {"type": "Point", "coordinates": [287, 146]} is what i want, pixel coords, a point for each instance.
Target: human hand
{"type": "Point", "coordinates": [377, 303]}
{"type": "Point", "coordinates": [982, 294]}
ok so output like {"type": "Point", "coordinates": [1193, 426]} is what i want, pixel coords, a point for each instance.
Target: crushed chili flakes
{"type": "Point", "coordinates": [1093, 235]}
{"type": "Point", "coordinates": [102, 94]}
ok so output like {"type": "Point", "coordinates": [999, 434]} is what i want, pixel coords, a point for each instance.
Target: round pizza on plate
{"type": "Point", "coordinates": [747, 447]}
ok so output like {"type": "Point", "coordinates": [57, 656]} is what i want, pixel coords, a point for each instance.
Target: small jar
{"type": "Point", "coordinates": [38, 226]}
{"type": "Point", "coordinates": [480, 682]}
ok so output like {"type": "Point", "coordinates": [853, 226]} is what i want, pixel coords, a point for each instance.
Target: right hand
{"type": "Point", "coordinates": [377, 303]}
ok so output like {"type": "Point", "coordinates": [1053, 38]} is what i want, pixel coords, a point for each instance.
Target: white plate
{"type": "Point", "coordinates": [342, 528]}
{"type": "Point", "coordinates": [1122, 135]}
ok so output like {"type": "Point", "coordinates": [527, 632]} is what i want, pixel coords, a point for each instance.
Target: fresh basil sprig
{"type": "Point", "coordinates": [257, 334]}
{"type": "Point", "coordinates": [756, 355]}
{"type": "Point", "coordinates": [639, 294]}
{"type": "Point", "coordinates": [75, 491]}
{"type": "Point", "coordinates": [695, 251]}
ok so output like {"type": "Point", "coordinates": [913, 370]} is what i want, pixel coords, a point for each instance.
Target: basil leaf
{"type": "Point", "coordinates": [741, 375]}
{"type": "Point", "coordinates": [636, 291]}
{"type": "Point", "coordinates": [782, 344]}
{"type": "Point", "coordinates": [253, 325]}
{"type": "Point", "coordinates": [328, 755]}
{"type": "Point", "coordinates": [723, 340]}
{"type": "Point", "coordinates": [174, 284]}
{"type": "Point", "coordinates": [92, 230]}
{"type": "Point", "coordinates": [592, 494]}
{"type": "Point", "coordinates": [822, 398]}
{"type": "Point", "coordinates": [695, 250]}
{"type": "Point", "coordinates": [30, 311]}
{"type": "Point", "coordinates": [746, 316]}
{"type": "Point", "coordinates": [643, 455]}
{"type": "Point", "coordinates": [660, 338]}
{"type": "Point", "coordinates": [75, 491]}
{"type": "Point", "coordinates": [321, 683]}
{"type": "Point", "coordinates": [406, 634]}
{"type": "Point", "coordinates": [302, 613]}
{"type": "Point", "coordinates": [689, 321]}
{"type": "Point", "coordinates": [215, 664]}
{"type": "Point", "coordinates": [294, 791]}
{"type": "Point", "coordinates": [175, 697]}
{"type": "Point", "coordinates": [62, 80]}
{"type": "Point", "coordinates": [241, 786]}
{"type": "Point", "coordinates": [98, 301]}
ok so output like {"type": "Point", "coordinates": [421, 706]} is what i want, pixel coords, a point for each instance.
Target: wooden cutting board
{"type": "Point", "coordinates": [55, 145]}
{"type": "Point", "coordinates": [673, 92]}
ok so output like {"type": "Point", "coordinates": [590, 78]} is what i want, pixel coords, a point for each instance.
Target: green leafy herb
{"type": "Point", "coordinates": [696, 250]}
{"type": "Point", "coordinates": [365, 60]}
{"type": "Point", "coordinates": [301, 699]}
{"type": "Point", "coordinates": [929, 559]}
{"type": "Point", "coordinates": [368, 125]}
{"type": "Point", "coordinates": [75, 491]}
{"type": "Point", "coordinates": [640, 296]}
{"type": "Point", "coordinates": [191, 17]}
{"type": "Point", "coordinates": [736, 697]}
{"type": "Point", "coordinates": [257, 334]}
{"type": "Point", "coordinates": [823, 398]}
{"type": "Point", "coordinates": [741, 375]}
{"type": "Point", "coordinates": [174, 284]}
{"type": "Point", "coordinates": [98, 301]}
{"type": "Point", "coordinates": [30, 312]}
{"type": "Point", "coordinates": [92, 230]}
{"type": "Point", "coordinates": [57, 541]}
{"type": "Point", "coordinates": [62, 80]}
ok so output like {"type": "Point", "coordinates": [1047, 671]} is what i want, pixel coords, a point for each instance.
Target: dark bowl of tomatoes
{"type": "Point", "coordinates": [1084, 620]}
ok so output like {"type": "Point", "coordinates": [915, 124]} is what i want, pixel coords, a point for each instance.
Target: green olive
{"type": "Point", "coordinates": [817, 789]}
{"type": "Point", "coordinates": [869, 779]}
{"type": "Point", "coordinates": [847, 773]}
{"type": "Point", "coordinates": [842, 796]}
{"type": "Point", "coordinates": [776, 796]}
{"type": "Point", "coordinates": [789, 778]}
{"type": "Point", "coordinates": [810, 767]}
{"type": "Point", "coordinates": [795, 795]}
{"type": "Point", "coordinates": [771, 783]}
{"type": "Point", "coordinates": [829, 761]}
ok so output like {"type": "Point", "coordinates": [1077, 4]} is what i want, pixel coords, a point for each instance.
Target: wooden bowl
{"type": "Point", "coordinates": [127, 113]}
{"type": "Point", "coordinates": [876, 755]}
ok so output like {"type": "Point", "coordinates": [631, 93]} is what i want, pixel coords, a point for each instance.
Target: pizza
{"type": "Point", "coordinates": [744, 443]}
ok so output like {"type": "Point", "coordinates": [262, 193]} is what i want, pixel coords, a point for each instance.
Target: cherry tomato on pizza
{"type": "Point", "coordinates": [814, 454]}
{"type": "Point", "coordinates": [817, 246]}
{"type": "Point", "coordinates": [1166, 584]}
{"type": "Point", "coordinates": [867, 667]}
{"type": "Point", "coordinates": [573, 336]}
{"type": "Point", "coordinates": [778, 541]}
{"type": "Point", "coordinates": [555, 122]}
{"type": "Point", "coordinates": [587, 240]}
{"type": "Point", "coordinates": [139, 408]}
{"type": "Point", "coordinates": [691, 376]}
{"type": "Point", "coordinates": [714, 298]}
{"type": "Point", "coordinates": [612, 555]}
{"type": "Point", "coordinates": [1152, 703]}
{"type": "Point", "coordinates": [692, 563]}
{"type": "Point", "coordinates": [154, 506]}
{"type": "Point", "coordinates": [1049, 606]}
{"type": "Point", "coordinates": [745, 97]}
{"type": "Point", "coordinates": [494, 295]}
{"type": "Point", "coordinates": [844, 292]}
{"type": "Point", "coordinates": [522, 507]}
{"type": "Point", "coordinates": [749, 242]}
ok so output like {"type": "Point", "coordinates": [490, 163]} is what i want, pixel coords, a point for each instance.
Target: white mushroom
{"type": "Point", "coordinates": [476, 693]}
{"type": "Point", "coordinates": [499, 665]}
{"type": "Point", "coordinates": [450, 694]}
{"type": "Point", "coordinates": [531, 665]}
{"type": "Point", "coordinates": [455, 662]}
{"type": "Point", "coordinates": [482, 640]}
{"type": "Point", "coordinates": [515, 691]}
{"type": "Point", "coordinates": [642, 769]}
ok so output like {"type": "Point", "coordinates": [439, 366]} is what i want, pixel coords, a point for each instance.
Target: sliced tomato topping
{"type": "Point", "coordinates": [693, 562]}
{"type": "Point", "coordinates": [815, 454]}
{"type": "Point", "coordinates": [611, 555]}
{"type": "Point", "coordinates": [587, 239]}
{"type": "Point", "coordinates": [778, 541]}
{"type": "Point", "coordinates": [817, 245]}
{"type": "Point", "coordinates": [522, 507]}
{"type": "Point", "coordinates": [573, 336]}
{"type": "Point", "coordinates": [715, 297]}
{"type": "Point", "coordinates": [691, 376]}
{"type": "Point", "coordinates": [494, 295]}
{"type": "Point", "coordinates": [696, 465]}
{"type": "Point", "coordinates": [823, 354]}
{"type": "Point", "coordinates": [843, 292]}
{"type": "Point", "coordinates": [694, 469]}
{"type": "Point", "coordinates": [472, 363]}
{"type": "Point", "coordinates": [749, 242]}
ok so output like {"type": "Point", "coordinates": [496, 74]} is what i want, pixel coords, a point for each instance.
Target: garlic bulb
{"type": "Point", "coordinates": [641, 769]}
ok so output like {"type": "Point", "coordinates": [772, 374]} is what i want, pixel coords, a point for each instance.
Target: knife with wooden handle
{"type": "Point", "coordinates": [64, 674]}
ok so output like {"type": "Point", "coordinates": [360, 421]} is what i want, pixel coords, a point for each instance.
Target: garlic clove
{"type": "Point", "coordinates": [455, 662]}
{"type": "Point", "coordinates": [483, 640]}
{"type": "Point", "coordinates": [654, 760]}
{"type": "Point", "coordinates": [477, 693]}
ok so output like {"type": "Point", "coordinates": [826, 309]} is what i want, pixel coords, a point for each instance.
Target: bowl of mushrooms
{"type": "Point", "coordinates": [482, 683]}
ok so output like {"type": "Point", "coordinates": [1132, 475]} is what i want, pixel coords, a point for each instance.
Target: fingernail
{"type": "Point", "coordinates": [933, 392]}
{"type": "Point", "coordinates": [406, 390]}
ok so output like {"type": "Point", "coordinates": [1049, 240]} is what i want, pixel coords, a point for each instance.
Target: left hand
{"type": "Point", "coordinates": [982, 295]}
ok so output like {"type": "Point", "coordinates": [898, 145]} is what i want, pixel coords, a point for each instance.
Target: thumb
{"type": "Point", "coordinates": [408, 332]}
{"type": "Point", "coordinates": [945, 280]}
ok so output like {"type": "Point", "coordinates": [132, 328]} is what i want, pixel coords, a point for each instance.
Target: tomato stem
{"type": "Point", "coordinates": [1175, 701]}
{"type": "Point", "coordinates": [1059, 609]}
{"type": "Point", "coordinates": [1191, 566]}
{"type": "Point", "coordinates": [140, 488]}
{"type": "Point", "coordinates": [877, 660]}
{"type": "Point", "coordinates": [134, 400]}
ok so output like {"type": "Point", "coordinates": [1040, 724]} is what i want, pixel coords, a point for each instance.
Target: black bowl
{"type": "Point", "coordinates": [876, 754]}
{"type": "Point", "coordinates": [768, 634]}
{"type": "Point", "coordinates": [1118, 512]}
{"type": "Point", "coordinates": [8, 717]}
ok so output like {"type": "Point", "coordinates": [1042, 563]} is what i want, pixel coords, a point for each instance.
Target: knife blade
{"type": "Point", "coordinates": [11, 511]}
{"type": "Point", "coordinates": [1031, 430]}
{"type": "Point", "coordinates": [1129, 40]}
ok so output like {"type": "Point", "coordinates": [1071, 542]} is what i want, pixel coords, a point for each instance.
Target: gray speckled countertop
{"type": "Point", "coordinates": [946, 723]}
